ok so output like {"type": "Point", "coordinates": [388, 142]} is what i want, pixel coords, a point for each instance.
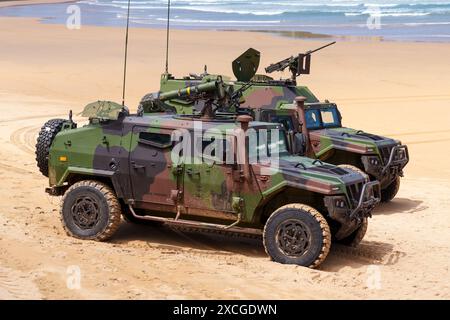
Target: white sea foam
{"type": "Point", "coordinates": [219, 21]}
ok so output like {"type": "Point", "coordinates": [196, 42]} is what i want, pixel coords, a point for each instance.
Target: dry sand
{"type": "Point", "coordinates": [397, 89]}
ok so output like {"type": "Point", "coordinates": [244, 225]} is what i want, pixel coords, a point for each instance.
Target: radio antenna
{"type": "Point", "coordinates": [126, 55]}
{"type": "Point", "coordinates": [167, 37]}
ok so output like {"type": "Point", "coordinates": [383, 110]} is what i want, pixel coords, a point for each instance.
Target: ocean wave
{"type": "Point", "coordinates": [279, 8]}
{"type": "Point", "coordinates": [234, 11]}
{"type": "Point", "coordinates": [219, 21]}
{"type": "Point", "coordinates": [418, 24]}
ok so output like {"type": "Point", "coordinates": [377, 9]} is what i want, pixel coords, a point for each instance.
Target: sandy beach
{"type": "Point", "coordinates": [399, 89]}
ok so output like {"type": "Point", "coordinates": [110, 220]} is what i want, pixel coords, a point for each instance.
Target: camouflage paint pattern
{"type": "Point", "coordinates": [322, 144]}
{"type": "Point", "coordinates": [144, 174]}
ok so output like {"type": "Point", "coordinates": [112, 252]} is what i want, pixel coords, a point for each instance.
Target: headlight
{"type": "Point", "coordinates": [400, 155]}
{"type": "Point", "coordinates": [339, 203]}
{"type": "Point", "coordinates": [374, 161]}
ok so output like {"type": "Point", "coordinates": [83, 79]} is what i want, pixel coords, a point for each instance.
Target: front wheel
{"type": "Point", "coordinates": [389, 193]}
{"type": "Point", "coordinates": [355, 238]}
{"type": "Point", "coordinates": [297, 234]}
{"type": "Point", "coordinates": [90, 211]}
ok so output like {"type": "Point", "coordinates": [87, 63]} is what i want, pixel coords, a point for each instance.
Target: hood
{"type": "Point", "coordinates": [353, 140]}
{"type": "Point", "coordinates": [309, 174]}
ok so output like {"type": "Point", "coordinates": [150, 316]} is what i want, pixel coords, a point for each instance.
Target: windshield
{"type": "Point", "coordinates": [322, 118]}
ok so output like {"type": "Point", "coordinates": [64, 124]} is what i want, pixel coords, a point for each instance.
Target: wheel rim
{"type": "Point", "coordinates": [293, 238]}
{"type": "Point", "coordinates": [85, 212]}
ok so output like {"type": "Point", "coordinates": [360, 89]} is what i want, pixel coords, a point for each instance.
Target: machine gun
{"type": "Point", "coordinates": [212, 93]}
{"type": "Point", "coordinates": [297, 65]}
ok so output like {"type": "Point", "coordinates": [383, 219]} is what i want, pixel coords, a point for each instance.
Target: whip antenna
{"type": "Point", "coordinates": [167, 37]}
{"type": "Point", "coordinates": [126, 54]}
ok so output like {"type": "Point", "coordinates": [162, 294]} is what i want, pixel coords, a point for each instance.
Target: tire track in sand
{"type": "Point", "coordinates": [16, 285]}
{"type": "Point", "coordinates": [24, 139]}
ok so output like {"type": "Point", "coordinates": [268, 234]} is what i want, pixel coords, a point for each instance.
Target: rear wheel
{"type": "Point", "coordinates": [90, 211]}
{"type": "Point", "coordinates": [389, 193]}
{"type": "Point", "coordinates": [44, 141]}
{"type": "Point", "coordinates": [355, 238]}
{"type": "Point", "coordinates": [297, 234]}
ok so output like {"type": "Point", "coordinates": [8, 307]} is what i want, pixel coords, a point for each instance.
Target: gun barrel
{"type": "Point", "coordinates": [322, 47]}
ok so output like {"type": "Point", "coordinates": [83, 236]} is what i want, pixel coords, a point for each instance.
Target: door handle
{"type": "Point", "coordinates": [137, 166]}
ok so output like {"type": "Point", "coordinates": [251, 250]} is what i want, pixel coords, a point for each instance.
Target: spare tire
{"type": "Point", "coordinates": [44, 141]}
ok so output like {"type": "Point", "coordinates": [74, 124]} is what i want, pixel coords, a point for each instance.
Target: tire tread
{"type": "Point", "coordinates": [319, 218]}
{"type": "Point", "coordinates": [115, 210]}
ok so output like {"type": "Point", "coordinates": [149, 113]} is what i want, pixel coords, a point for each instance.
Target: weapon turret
{"type": "Point", "coordinates": [297, 65]}
{"type": "Point", "coordinates": [212, 93]}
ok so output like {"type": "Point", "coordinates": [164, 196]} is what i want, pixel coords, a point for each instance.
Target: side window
{"type": "Point", "coordinates": [330, 118]}
{"type": "Point", "coordinates": [159, 140]}
{"type": "Point", "coordinates": [286, 121]}
{"type": "Point", "coordinates": [312, 119]}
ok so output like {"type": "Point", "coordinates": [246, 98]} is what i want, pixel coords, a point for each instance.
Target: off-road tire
{"type": "Point", "coordinates": [389, 193]}
{"type": "Point", "coordinates": [355, 238]}
{"type": "Point", "coordinates": [108, 208]}
{"type": "Point", "coordinates": [319, 235]}
{"type": "Point", "coordinates": [44, 141]}
{"type": "Point", "coordinates": [140, 110]}
{"type": "Point", "coordinates": [354, 168]}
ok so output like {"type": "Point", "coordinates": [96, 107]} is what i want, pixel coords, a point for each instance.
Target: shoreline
{"type": "Point", "coordinates": [289, 34]}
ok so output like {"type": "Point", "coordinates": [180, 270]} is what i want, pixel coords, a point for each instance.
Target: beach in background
{"type": "Point", "coordinates": [410, 20]}
{"type": "Point", "coordinates": [396, 88]}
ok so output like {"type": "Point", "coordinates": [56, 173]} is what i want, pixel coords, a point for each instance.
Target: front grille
{"type": "Point", "coordinates": [354, 192]}
{"type": "Point", "coordinates": [386, 153]}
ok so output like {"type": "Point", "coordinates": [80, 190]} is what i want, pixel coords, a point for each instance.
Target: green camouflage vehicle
{"type": "Point", "coordinates": [161, 168]}
{"type": "Point", "coordinates": [315, 127]}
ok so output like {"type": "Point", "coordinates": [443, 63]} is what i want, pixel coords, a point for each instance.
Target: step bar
{"type": "Point", "coordinates": [200, 225]}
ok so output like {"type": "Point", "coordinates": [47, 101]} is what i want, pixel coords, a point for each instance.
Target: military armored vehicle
{"type": "Point", "coordinates": [315, 126]}
{"type": "Point", "coordinates": [160, 167]}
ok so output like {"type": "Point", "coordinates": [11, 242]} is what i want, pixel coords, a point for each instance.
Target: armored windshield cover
{"type": "Point", "coordinates": [104, 110]}
{"type": "Point", "coordinates": [246, 65]}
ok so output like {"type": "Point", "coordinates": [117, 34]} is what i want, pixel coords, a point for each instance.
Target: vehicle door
{"type": "Point", "coordinates": [152, 175]}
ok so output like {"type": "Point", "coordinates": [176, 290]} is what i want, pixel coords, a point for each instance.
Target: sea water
{"type": "Point", "coordinates": [415, 20]}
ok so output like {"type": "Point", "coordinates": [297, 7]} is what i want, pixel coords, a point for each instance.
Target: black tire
{"type": "Point", "coordinates": [354, 239]}
{"type": "Point", "coordinates": [140, 110]}
{"type": "Point", "coordinates": [312, 244]}
{"type": "Point", "coordinates": [101, 211]}
{"type": "Point", "coordinates": [389, 193]}
{"type": "Point", "coordinates": [44, 141]}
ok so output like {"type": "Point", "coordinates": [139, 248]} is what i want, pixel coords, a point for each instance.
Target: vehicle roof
{"type": "Point", "coordinates": [320, 105]}
{"type": "Point", "coordinates": [171, 121]}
